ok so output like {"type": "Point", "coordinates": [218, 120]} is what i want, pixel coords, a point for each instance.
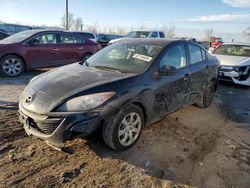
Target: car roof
{"type": "Point", "coordinates": [82, 32]}
{"type": "Point", "coordinates": [146, 31]}
{"type": "Point", "coordinates": [50, 30]}
{"type": "Point", "coordinates": [236, 43]}
{"type": "Point", "coordinates": [148, 41]}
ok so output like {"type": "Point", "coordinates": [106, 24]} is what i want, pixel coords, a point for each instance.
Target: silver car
{"type": "Point", "coordinates": [235, 62]}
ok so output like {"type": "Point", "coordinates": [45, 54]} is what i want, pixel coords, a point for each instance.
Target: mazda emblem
{"type": "Point", "coordinates": [28, 100]}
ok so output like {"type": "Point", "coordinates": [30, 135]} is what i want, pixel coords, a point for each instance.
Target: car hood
{"type": "Point", "coordinates": [48, 90]}
{"type": "Point", "coordinates": [233, 60]}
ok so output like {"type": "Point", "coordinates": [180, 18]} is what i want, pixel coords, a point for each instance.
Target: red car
{"type": "Point", "coordinates": [215, 42]}
{"type": "Point", "coordinates": [33, 49]}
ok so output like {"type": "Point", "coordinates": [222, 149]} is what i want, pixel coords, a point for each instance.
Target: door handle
{"type": "Point", "coordinates": [55, 49]}
{"type": "Point", "coordinates": [186, 77]}
{"type": "Point", "coordinates": [80, 48]}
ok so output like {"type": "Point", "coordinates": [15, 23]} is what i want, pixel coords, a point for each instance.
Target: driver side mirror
{"type": "Point", "coordinates": [168, 70]}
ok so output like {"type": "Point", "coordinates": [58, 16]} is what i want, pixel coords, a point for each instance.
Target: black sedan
{"type": "Point", "coordinates": [119, 90]}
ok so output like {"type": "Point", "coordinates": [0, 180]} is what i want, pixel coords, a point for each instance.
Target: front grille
{"type": "Point", "coordinates": [47, 127]}
{"type": "Point", "coordinates": [226, 78]}
{"type": "Point", "coordinates": [226, 70]}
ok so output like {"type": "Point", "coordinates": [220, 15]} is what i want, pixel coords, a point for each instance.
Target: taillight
{"type": "Point", "coordinates": [99, 46]}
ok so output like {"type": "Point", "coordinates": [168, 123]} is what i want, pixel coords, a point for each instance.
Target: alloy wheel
{"type": "Point", "coordinates": [12, 66]}
{"type": "Point", "coordinates": [129, 129]}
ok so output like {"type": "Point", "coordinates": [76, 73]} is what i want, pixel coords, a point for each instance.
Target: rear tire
{"type": "Point", "coordinates": [122, 132]}
{"type": "Point", "coordinates": [207, 97]}
{"type": "Point", "coordinates": [11, 65]}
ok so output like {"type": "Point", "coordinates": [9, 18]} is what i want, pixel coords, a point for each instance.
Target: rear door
{"type": "Point", "coordinates": [41, 50]}
{"type": "Point", "coordinates": [199, 71]}
{"type": "Point", "coordinates": [71, 49]}
{"type": "Point", "coordinates": [172, 91]}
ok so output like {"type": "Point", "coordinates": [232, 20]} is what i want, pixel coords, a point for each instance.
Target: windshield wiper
{"type": "Point", "coordinates": [106, 68]}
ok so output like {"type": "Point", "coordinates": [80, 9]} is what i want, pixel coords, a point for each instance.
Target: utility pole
{"type": "Point", "coordinates": [67, 16]}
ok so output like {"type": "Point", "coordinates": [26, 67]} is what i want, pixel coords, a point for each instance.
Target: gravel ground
{"type": "Point", "coordinates": [197, 147]}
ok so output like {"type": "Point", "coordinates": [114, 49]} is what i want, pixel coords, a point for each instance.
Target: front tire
{"type": "Point", "coordinates": [123, 132]}
{"type": "Point", "coordinates": [207, 97]}
{"type": "Point", "coordinates": [11, 66]}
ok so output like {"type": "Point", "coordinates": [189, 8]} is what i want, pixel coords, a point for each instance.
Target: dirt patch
{"type": "Point", "coordinates": [198, 147]}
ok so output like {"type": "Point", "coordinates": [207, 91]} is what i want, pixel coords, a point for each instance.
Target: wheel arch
{"type": "Point", "coordinates": [18, 55]}
{"type": "Point", "coordinates": [140, 105]}
{"type": "Point", "coordinates": [215, 81]}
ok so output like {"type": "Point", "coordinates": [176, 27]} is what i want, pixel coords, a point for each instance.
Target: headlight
{"type": "Point", "coordinates": [86, 102]}
{"type": "Point", "coordinates": [32, 79]}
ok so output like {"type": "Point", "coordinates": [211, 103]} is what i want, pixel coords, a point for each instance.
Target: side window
{"type": "Point", "coordinates": [203, 53]}
{"type": "Point", "coordinates": [88, 35]}
{"type": "Point", "coordinates": [195, 53]}
{"type": "Point", "coordinates": [69, 39]}
{"type": "Point", "coordinates": [102, 37]}
{"type": "Point", "coordinates": [154, 35]}
{"type": "Point", "coordinates": [47, 38]}
{"type": "Point", "coordinates": [175, 56]}
{"type": "Point", "coordinates": [162, 35]}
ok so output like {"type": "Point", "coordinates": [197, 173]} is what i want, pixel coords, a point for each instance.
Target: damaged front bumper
{"type": "Point", "coordinates": [237, 75]}
{"type": "Point", "coordinates": [58, 127]}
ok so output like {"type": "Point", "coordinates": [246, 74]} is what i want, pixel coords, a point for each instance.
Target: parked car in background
{"type": "Point", "coordinates": [33, 49]}
{"type": "Point", "coordinates": [104, 39]}
{"type": "Point", "coordinates": [119, 90]}
{"type": "Point", "coordinates": [15, 28]}
{"type": "Point", "coordinates": [87, 35]}
{"type": "Point", "coordinates": [140, 34]}
{"type": "Point", "coordinates": [3, 35]}
{"type": "Point", "coordinates": [235, 62]}
{"type": "Point", "coordinates": [215, 42]}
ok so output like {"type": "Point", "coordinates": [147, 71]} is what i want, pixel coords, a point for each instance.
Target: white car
{"type": "Point", "coordinates": [140, 34]}
{"type": "Point", "coordinates": [235, 62]}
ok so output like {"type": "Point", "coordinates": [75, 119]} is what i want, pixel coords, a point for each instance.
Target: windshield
{"type": "Point", "coordinates": [233, 50]}
{"type": "Point", "coordinates": [138, 34]}
{"type": "Point", "coordinates": [18, 37]}
{"type": "Point", "coordinates": [127, 58]}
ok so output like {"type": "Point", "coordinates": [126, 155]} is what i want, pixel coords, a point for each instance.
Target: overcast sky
{"type": "Point", "coordinates": [227, 17]}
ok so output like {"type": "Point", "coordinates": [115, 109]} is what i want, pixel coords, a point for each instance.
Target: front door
{"type": "Point", "coordinates": [171, 91]}
{"type": "Point", "coordinates": [42, 51]}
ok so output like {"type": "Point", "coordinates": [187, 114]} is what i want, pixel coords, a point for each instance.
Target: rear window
{"type": "Point", "coordinates": [195, 54]}
{"type": "Point", "coordinates": [69, 39]}
{"type": "Point", "coordinates": [204, 54]}
{"type": "Point", "coordinates": [162, 35]}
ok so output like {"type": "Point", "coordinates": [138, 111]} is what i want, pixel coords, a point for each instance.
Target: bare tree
{"type": "Point", "coordinates": [78, 24]}
{"type": "Point", "coordinates": [142, 27]}
{"type": "Point", "coordinates": [71, 21]}
{"type": "Point", "coordinates": [170, 31]}
{"type": "Point", "coordinates": [121, 31]}
{"type": "Point", "coordinates": [208, 33]}
{"type": "Point", "coordinates": [247, 32]}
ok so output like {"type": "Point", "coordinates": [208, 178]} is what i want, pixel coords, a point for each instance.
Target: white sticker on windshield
{"type": "Point", "coordinates": [142, 57]}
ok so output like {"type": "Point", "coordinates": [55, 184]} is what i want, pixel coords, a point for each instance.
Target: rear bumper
{"type": "Point", "coordinates": [57, 130]}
